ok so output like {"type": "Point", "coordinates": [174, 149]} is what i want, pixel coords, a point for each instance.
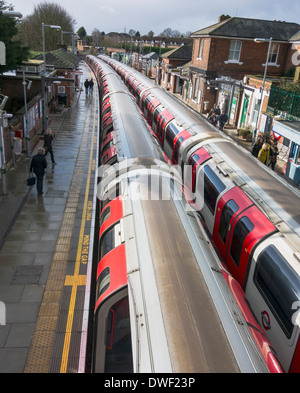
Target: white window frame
{"type": "Point", "coordinates": [274, 52]}
{"type": "Point", "coordinates": [200, 53]}
{"type": "Point", "coordinates": [233, 49]}
{"type": "Point", "coordinates": [195, 94]}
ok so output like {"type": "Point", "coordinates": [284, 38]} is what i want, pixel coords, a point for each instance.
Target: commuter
{"type": "Point", "coordinates": [264, 154]}
{"type": "Point", "coordinates": [37, 166]}
{"type": "Point", "coordinates": [222, 120]}
{"type": "Point", "coordinates": [86, 85]}
{"type": "Point", "coordinates": [217, 110]}
{"type": "Point", "coordinates": [257, 145]}
{"type": "Point", "coordinates": [48, 138]}
{"type": "Point", "coordinates": [91, 85]}
{"type": "Point", "coordinates": [273, 155]}
{"type": "Point", "coordinates": [212, 118]}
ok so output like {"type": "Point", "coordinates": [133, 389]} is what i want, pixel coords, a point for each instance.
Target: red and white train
{"type": "Point", "coordinates": [162, 302]}
{"type": "Point", "coordinates": [251, 217]}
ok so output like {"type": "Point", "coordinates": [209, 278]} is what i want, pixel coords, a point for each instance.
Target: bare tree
{"type": "Point", "coordinates": [49, 14]}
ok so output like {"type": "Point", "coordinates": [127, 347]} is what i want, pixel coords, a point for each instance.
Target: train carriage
{"type": "Point", "coordinates": [244, 208]}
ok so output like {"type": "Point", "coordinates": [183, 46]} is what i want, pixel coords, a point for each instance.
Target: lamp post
{"type": "Point", "coordinates": [258, 41]}
{"type": "Point", "coordinates": [26, 130]}
{"type": "Point", "coordinates": [43, 76]}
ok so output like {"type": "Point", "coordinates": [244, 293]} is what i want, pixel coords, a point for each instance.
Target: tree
{"type": "Point", "coordinates": [49, 14]}
{"type": "Point", "coordinates": [15, 51]}
{"type": "Point", "coordinates": [81, 32]}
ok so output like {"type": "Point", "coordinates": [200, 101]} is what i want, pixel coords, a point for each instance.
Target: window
{"type": "Point", "coordinates": [107, 242]}
{"type": "Point", "coordinates": [201, 49]}
{"type": "Point", "coordinates": [103, 282]}
{"type": "Point", "coordinates": [105, 215]}
{"type": "Point", "coordinates": [235, 51]}
{"type": "Point", "coordinates": [171, 133]}
{"type": "Point", "coordinates": [196, 89]}
{"type": "Point", "coordinates": [213, 186]}
{"type": "Point", "coordinates": [273, 55]}
{"type": "Point", "coordinates": [279, 285]}
{"type": "Point", "coordinates": [228, 211]}
{"type": "Point", "coordinates": [242, 228]}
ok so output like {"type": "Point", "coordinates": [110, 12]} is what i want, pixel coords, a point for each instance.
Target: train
{"type": "Point", "coordinates": [250, 216]}
{"type": "Point", "coordinates": [162, 303]}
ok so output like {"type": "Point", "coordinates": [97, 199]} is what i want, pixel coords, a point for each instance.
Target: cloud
{"type": "Point", "coordinates": [109, 10]}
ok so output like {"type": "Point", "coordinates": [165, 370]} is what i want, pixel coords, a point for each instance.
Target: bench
{"type": "Point", "coordinates": [58, 107]}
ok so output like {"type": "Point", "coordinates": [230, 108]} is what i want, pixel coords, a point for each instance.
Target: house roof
{"type": "Point", "coordinates": [182, 53]}
{"type": "Point", "coordinates": [296, 37]}
{"type": "Point", "coordinates": [60, 58]}
{"type": "Point", "coordinates": [251, 28]}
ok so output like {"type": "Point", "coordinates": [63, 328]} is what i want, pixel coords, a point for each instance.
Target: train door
{"type": "Point", "coordinates": [249, 227]}
{"type": "Point", "coordinates": [273, 290]}
{"type": "Point", "coordinates": [179, 139]}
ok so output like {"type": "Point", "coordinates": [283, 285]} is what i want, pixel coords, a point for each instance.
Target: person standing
{"type": "Point", "coordinates": [86, 85]}
{"type": "Point", "coordinates": [37, 166]}
{"type": "Point", "coordinates": [222, 120]}
{"type": "Point", "coordinates": [91, 85]}
{"type": "Point", "coordinates": [273, 155]}
{"type": "Point", "coordinates": [48, 138]}
{"type": "Point", "coordinates": [264, 154]}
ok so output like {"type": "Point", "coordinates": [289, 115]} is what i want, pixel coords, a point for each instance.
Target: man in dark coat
{"type": "Point", "coordinates": [48, 138]}
{"type": "Point", "coordinates": [37, 166]}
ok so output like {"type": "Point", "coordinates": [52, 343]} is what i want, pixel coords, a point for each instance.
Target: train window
{"type": "Point", "coordinates": [114, 193]}
{"type": "Point", "coordinates": [213, 186]}
{"type": "Point", "coordinates": [171, 132]}
{"type": "Point", "coordinates": [103, 282]}
{"type": "Point", "coordinates": [105, 215]}
{"type": "Point", "coordinates": [156, 113]}
{"type": "Point", "coordinates": [242, 228]}
{"type": "Point", "coordinates": [279, 285]}
{"type": "Point", "coordinates": [228, 211]}
{"type": "Point", "coordinates": [109, 240]}
{"type": "Point", "coordinates": [107, 146]}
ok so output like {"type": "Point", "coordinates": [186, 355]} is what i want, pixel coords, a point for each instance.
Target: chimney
{"type": "Point", "coordinates": [223, 17]}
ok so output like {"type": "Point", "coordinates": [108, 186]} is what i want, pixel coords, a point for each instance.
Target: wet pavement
{"type": "Point", "coordinates": [45, 248]}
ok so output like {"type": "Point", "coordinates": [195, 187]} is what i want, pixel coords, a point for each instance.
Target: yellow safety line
{"type": "Point", "coordinates": [76, 280]}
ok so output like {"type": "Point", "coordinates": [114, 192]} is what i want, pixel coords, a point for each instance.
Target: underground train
{"type": "Point", "coordinates": [251, 217]}
{"type": "Point", "coordinates": [162, 302]}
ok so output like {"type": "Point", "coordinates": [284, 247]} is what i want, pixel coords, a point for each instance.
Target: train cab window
{"type": "Point", "coordinates": [118, 357]}
{"type": "Point", "coordinates": [213, 186]}
{"type": "Point", "coordinates": [228, 211]}
{"type": "Point", "coordinates": [242, 228]}
{"type": "Point", "coordinates": [279, 285]}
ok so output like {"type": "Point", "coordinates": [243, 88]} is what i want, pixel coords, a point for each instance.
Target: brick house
{"type": "Point", "coordinates": [225, 52]}
{"type": "Point", "coordinates": [172, 64]}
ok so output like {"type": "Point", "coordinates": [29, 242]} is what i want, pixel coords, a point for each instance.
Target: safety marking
{"type": "Point", "coordinates": [77, 279]}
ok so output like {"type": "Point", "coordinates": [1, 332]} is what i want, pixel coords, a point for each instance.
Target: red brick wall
{"type": "Point", "coordinates": [253, 56]}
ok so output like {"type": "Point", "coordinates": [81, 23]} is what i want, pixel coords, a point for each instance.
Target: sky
{"type": "Point", "coordinates": [157, 15]}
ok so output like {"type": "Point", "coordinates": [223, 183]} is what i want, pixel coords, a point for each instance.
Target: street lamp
{"type": "Point", "coordinates": [43, 76]}
{"type": "Point", "coordinates": [11, 14]}
{"type": "Point", "coordinates": [26, 133]}
{"type": "Point", "coordinates": [3, 122]}
{"type": "Point", "coordinates": [258, 41]}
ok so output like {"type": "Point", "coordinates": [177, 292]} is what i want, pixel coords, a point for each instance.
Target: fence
{"type": "Point", "coordinates": [283, 101]}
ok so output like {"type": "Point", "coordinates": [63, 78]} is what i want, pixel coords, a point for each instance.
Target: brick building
{"type": "Point", "coordinates": [225, 52]}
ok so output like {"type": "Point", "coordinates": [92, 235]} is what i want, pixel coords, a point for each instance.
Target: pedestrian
{"type": "Point", "coordinates": [212, 118]}
{"type": "Point", "coordinates": [264, 154]}
{"type": "Point", "coordinates": [91, 85]}
{"type": "Point", "coordinates": [48, 138]}
{"type": "Point", "coordinates": [273, 155]}
{"type": "Point", "coordinates": [86, 85]}
{"type": "Point", "coordinates": [217, 110]}
{"type": "Point", "coordinates": [257, 145]}
{"type": "Point", "coordinates": [222, 120]}
{"type": "Point", "coordinates": [37, 166]}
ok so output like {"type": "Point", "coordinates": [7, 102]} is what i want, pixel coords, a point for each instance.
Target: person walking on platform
{"type": "Point", "coordinates": [223, 118]}
{"type": "Point", "coordinates": [257, 145]}
{"type": "Point", "coordinates": [37, 166]}
{"type": "Point", "coordinates": [86, 85]}
{"type": "Point", "coordinates": [48, 138]}
{"type": "Point", "coordinates": [91, 85]}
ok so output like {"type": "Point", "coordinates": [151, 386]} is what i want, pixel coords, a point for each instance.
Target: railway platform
{"type": "Point", "coordinates": [46, 245]}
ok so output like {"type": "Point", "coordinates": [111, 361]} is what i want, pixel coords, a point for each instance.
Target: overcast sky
{"type": "Point", "coordinates": [157, 15]}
